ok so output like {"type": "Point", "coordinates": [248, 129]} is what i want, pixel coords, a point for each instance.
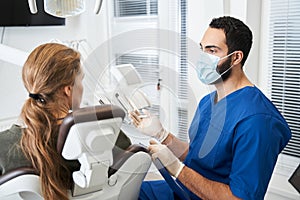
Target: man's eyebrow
{"type": "Point", "coordinates": [212, 46]}
{"type": "Point", "coordinates": [209, 46]}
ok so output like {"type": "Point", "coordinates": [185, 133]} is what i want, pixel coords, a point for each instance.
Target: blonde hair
{"type": "Point", "coordinates": [49, 68]}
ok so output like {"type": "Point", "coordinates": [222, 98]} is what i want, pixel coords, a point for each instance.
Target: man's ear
{"type": "Point", "coordinates": [68, 90]}
{"type": "Point", "coordinates": [238, 57]}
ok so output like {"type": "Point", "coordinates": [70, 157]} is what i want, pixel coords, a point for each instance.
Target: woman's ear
{"type": "Point", "coordinates": [238, 57]}
{"type": "Point", "coordinates": [68, 90]}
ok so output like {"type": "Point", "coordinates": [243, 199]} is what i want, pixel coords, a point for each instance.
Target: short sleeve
{"type": "Point", "coordinates": [257, 142]}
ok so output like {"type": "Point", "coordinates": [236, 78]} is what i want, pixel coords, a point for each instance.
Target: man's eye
{"type": "Point", "coordinates": [212, 51]}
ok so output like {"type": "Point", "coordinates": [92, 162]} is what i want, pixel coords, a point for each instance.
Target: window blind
{"type": "Point", "coordinates": [183, 75]}
{"type": "Point", "coordinates": [147, 65]}
{"type": "Point", "coordinates": [126, 8]}
{"type": "Point", "coordinates": [284, 62]}
{"type": "Point", "coordinates": [183, 68]}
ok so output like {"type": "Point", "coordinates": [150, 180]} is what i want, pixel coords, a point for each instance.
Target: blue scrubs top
{"type": "Point", "coordinates": [236, 141]}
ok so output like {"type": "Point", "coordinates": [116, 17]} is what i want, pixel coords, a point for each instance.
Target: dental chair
{"type": "Point", "coordinates": [88, 135]}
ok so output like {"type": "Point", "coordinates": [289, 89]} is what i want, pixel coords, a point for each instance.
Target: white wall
{"type": "Point", "coordinates": [87, 26]}
{"type": "Point", "coordinates": [199, 16]}
{"type": "Point", "coordinates": [26, 39]}
{"type": "Point", "coordinates": [250, 13]}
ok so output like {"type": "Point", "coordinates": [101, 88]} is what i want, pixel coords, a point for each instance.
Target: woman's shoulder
{"type": "Point", "coordinates": [15, 131]}
{"type": "Point", "coordinates": [11, 155]}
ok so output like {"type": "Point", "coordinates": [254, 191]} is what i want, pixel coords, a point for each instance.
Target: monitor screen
{"type": "Point", "coordinates": [17, 13]}
{"type": "Point", "coordinates": [295, 179]}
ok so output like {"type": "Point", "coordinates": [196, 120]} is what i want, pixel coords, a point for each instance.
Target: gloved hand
{"type": "Point", "coordinates": [168, 159]}
{"type": "Point", "coordinates": [149, 125]}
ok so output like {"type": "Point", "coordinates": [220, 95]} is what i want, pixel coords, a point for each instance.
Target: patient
{"type": "Point", "coordinates": [52, 75]}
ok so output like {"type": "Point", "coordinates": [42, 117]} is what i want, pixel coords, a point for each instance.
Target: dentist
{"type": "Point", "coordinates": [236, 133]}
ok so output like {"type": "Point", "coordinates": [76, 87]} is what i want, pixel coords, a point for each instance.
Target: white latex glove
{"type": "Point", "coordinates": [149, 125]}
{"type": "Point", "coordinates": [168, 159]}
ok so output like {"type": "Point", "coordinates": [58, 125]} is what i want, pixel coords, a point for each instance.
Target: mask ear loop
{"type": "Point", "coordinates": [226, 70]}
{"type": "Point", "coordinates": [227, 55]}
{"type": "Point", "coordinates": [230, 66]}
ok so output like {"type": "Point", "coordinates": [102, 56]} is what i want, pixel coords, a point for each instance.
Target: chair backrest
{"type": "Point", "coordinates": [87, 114]}
{"type": "Point", "coordinates": [15, 173]}
{"type": "Point", "coordinates": [20, 183]}
{"type": "Point", "coordinates": [88, 135]}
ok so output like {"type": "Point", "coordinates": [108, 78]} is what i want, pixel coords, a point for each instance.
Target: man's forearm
{"type": "Point", "coordinates": [178, 147]}
{"type": "Point", "coordinates": [203, 187]}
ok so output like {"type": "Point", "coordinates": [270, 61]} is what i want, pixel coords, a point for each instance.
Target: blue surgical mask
{"type": "Point", "coordinates": [207, 67]}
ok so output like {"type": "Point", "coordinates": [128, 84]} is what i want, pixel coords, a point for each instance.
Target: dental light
{"type": "Point", "coordinates": [64, 8]}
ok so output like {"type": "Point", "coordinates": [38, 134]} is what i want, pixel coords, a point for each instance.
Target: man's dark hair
{"type": "Point", "coordinates": [238, 35]}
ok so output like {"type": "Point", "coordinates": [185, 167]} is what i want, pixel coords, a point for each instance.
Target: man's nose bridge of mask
{"type": "Point", "coordinates": [209, 59]}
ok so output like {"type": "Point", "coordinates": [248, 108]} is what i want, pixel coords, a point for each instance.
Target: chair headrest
{"type": "Point", "coordinates": [86, 114]}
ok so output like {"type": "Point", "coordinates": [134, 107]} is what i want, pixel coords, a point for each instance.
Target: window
{"type": "Point", "coordinates": [126, 15]}
{"type": "Point", "coordinates": [126, 8]}
{"type": "Point", "coordinates": [284, 59]}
